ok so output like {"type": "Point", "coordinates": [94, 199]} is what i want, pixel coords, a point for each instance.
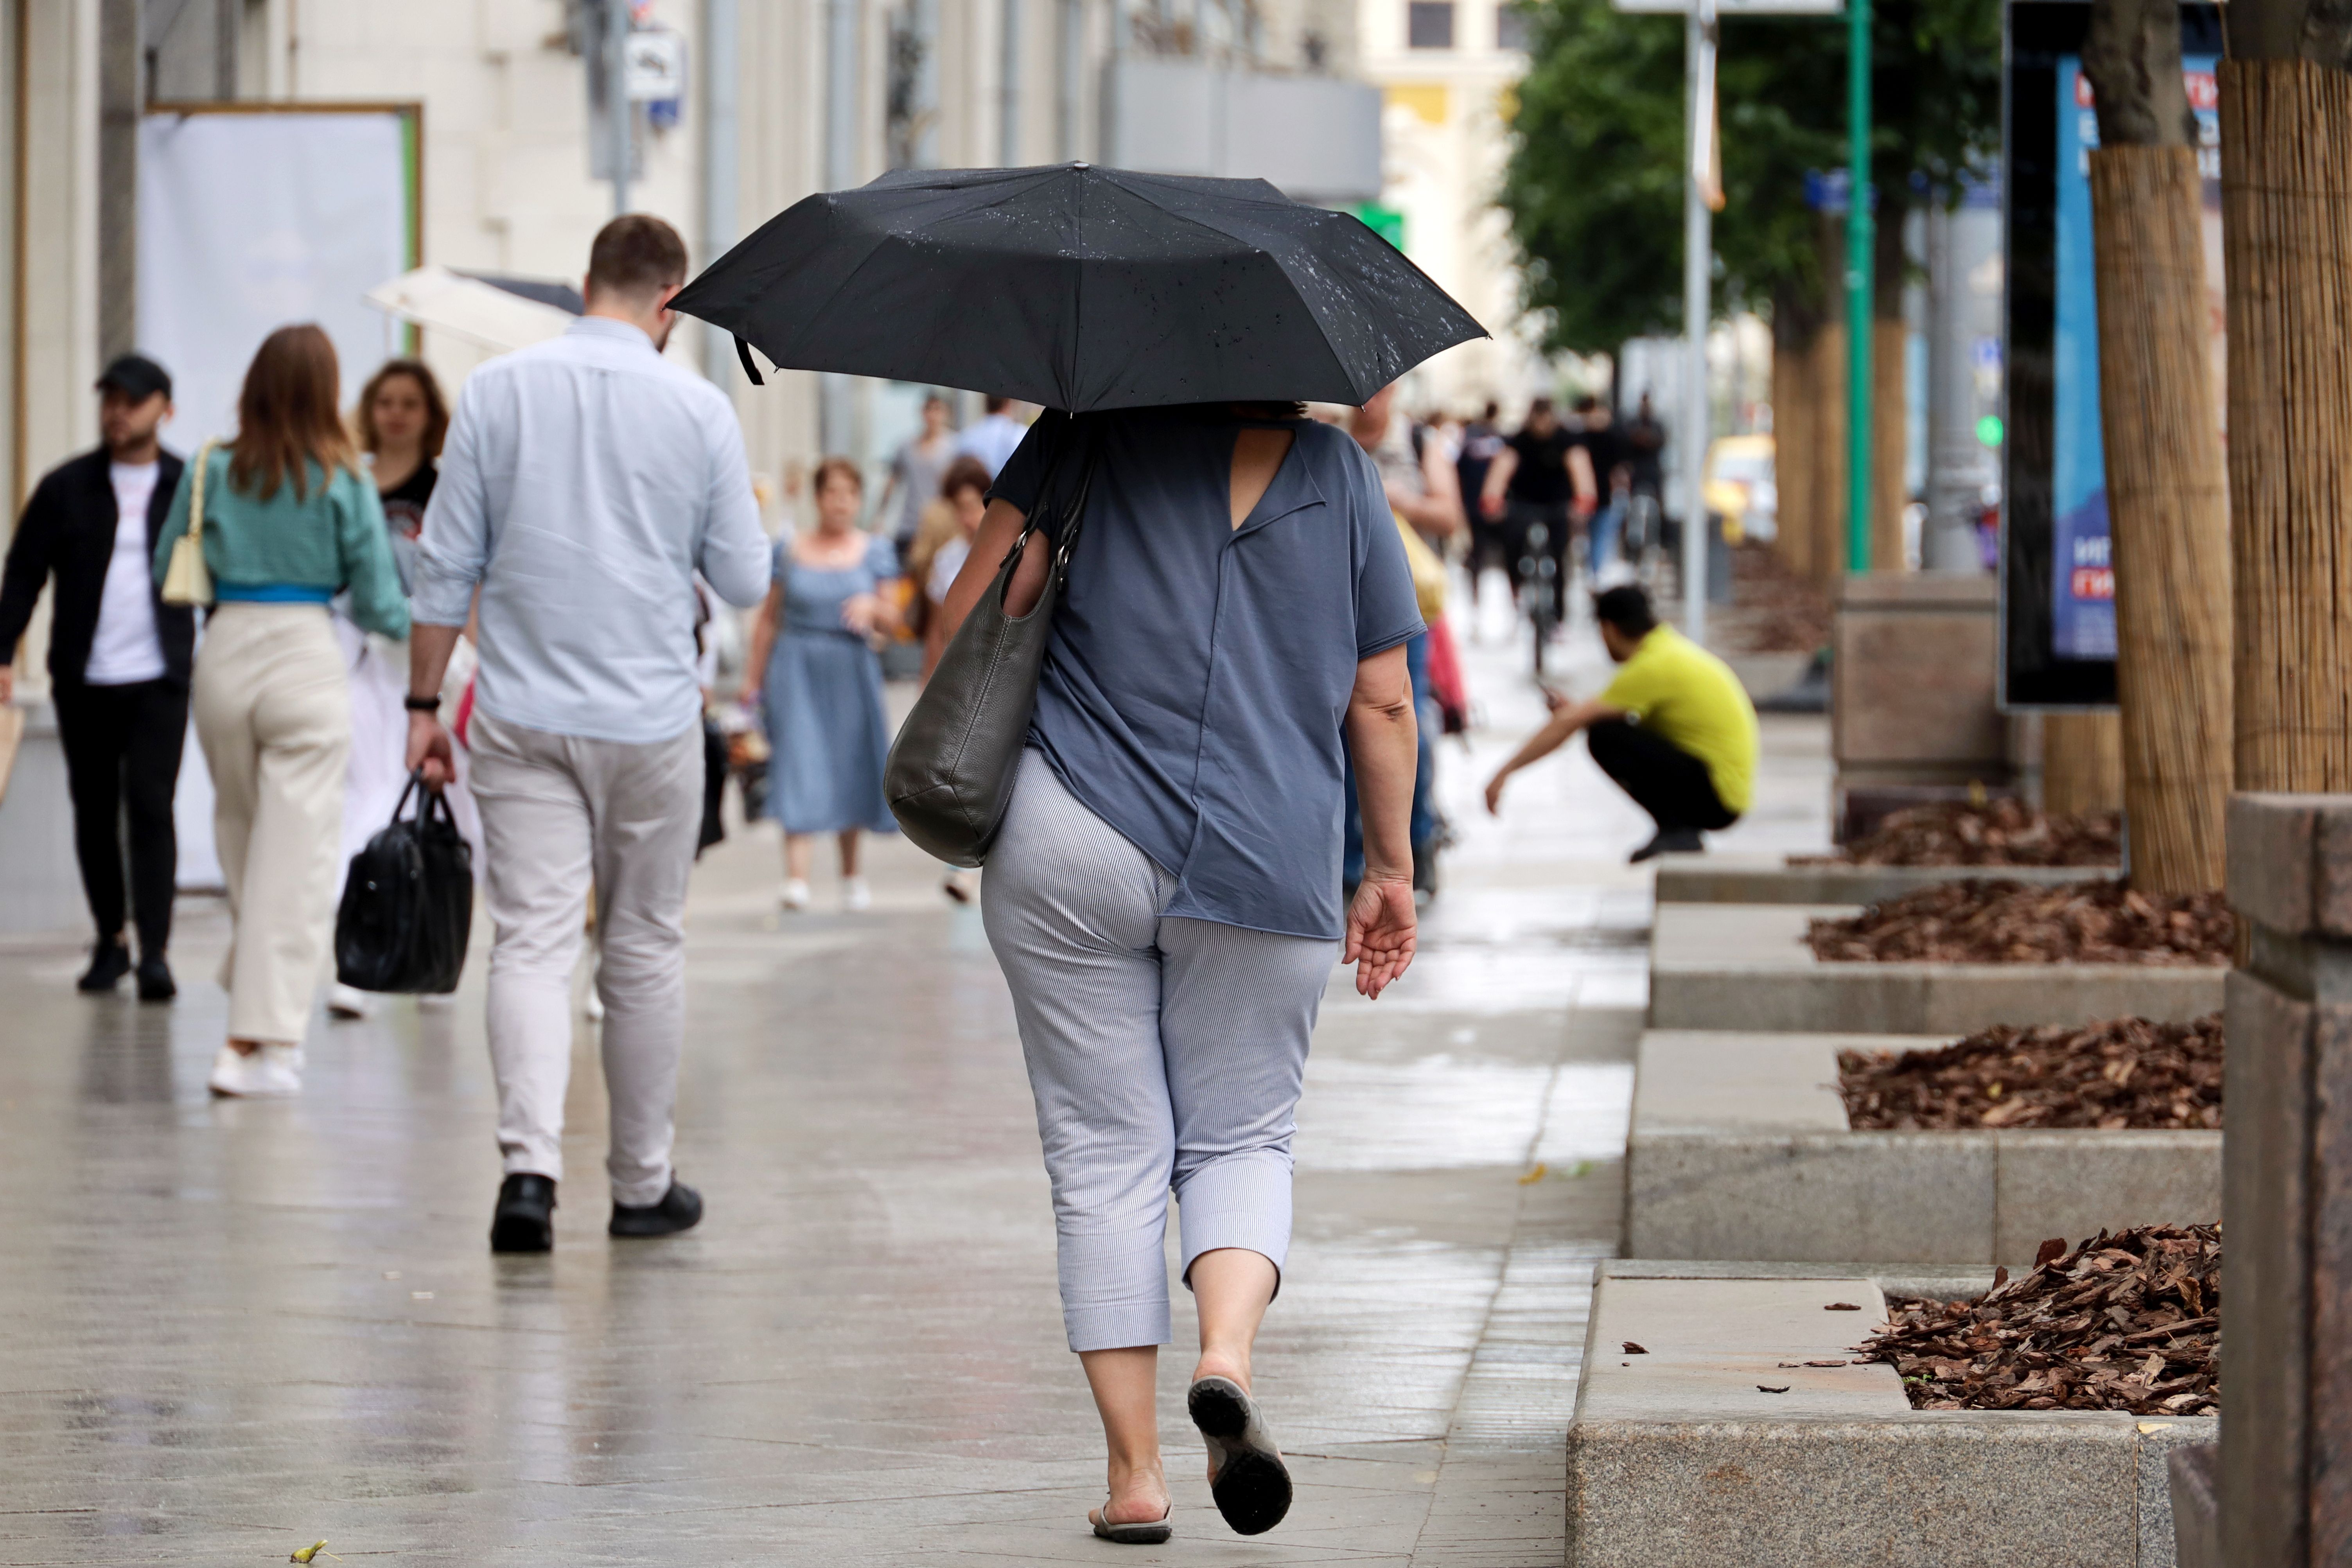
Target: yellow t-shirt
{"type": "Point", "coordinates": [1687, 697]}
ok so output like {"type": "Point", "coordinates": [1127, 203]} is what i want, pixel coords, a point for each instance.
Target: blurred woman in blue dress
{"type": "Point", "coordinates": [818, 680]}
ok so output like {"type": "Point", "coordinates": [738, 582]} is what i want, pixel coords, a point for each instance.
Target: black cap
{"type": "Point", "coordinates": [136, 376]}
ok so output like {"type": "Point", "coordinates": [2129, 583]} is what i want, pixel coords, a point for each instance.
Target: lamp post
{"type": "Point", "coordinates": [1860, 261]}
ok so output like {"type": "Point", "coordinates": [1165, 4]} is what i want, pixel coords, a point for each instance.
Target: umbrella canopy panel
{"type": "Point", "coordinates": [1081, 288]}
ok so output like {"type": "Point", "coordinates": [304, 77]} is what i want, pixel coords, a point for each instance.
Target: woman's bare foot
{"type": "Point", "coordinates": [1139, 1495]}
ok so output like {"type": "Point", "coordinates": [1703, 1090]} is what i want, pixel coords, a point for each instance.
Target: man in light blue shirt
{"type": "Point", "coordinates": [585, 481]}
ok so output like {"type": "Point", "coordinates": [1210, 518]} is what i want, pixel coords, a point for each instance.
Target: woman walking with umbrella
{"type": "Point", "coordinates": [1163, 896]}
{"type": "Point", "coordinates": [1162, 832]}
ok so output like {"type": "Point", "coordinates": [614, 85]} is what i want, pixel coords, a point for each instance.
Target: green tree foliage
{"type": "Point", "coordinates": [1595, 186]}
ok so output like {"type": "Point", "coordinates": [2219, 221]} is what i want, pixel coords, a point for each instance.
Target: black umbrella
{"type": "Point", "coordinates": [1081, 288]}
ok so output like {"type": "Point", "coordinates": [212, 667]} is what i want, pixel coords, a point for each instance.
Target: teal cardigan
{"type": "Point", "coordinates": [333, 538]}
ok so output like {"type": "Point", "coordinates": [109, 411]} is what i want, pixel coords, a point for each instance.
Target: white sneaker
{"type": "Point", "coordinates": [855, 896]}
{"type": "Point", "coordinates": [271, 1070]}
{"type": "Point", "coordinates": [593, 1004]}
{"type": "Point", "coordinates": [795, 895]}
{"type": "Point", "coordinates": [350, 1002]}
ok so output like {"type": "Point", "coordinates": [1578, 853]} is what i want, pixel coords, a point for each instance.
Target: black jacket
{"type": "Point", "coordinates": [68, 529]}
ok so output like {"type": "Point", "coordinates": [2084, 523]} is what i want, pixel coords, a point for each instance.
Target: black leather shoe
{"type": "Point", "coordinates": [679, 1209]}
{"type": "Point", "coordinates": [155, 982]}
{"type": "Point", "coordinates": [1677, 841]}
{"type": "Point", "coordinates": [109, 962]}
{"type": "Point", "coordinates": [525, 1220]}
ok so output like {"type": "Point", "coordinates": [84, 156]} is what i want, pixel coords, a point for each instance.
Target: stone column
{"type": "Point", "coordinates": [2285, 1490]}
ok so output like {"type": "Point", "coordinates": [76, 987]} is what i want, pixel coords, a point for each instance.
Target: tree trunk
{"type": "Point", "coordinates": [1793, 329]}
{"type": "Point", "coordinates": [2168, 511]}
{"type": "Point", "coordinates": [2286, 205]}
{"type": "Point", "coordinates": [1829, 497]}
{"type": "Point", "coordinates": [1890, 391]}
{"type": "Point", "coordinates": [2082, 763]}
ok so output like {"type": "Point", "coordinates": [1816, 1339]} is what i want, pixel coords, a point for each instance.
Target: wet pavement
{"type": "Point", "coordinates": [233, 1329]}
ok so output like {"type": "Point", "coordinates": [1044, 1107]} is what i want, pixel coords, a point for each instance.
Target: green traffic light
{"type": "Point", "coordinates": [1989, 430]}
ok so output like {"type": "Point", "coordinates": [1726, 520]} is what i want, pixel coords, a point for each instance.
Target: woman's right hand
{"type": "Point", "coordinates": [1381, 932]}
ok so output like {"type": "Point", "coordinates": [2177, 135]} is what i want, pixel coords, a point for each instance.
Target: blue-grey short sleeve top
{"type": "Point", "coordinates": [1198, 674]}
{"type": "Point", "coordinates": [813, 596]}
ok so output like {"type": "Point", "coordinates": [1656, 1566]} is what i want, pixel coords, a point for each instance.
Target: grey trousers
{"type": "Point", "coordinates": [1161, 1052]}
{"type": "Point", "coordinates": [558, 810]}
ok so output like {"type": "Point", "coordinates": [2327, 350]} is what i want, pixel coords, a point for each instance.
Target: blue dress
{"type": "Point", "coordinates": [824, 700]}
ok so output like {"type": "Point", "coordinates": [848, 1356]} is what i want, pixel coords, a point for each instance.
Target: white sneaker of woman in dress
{"type": "Point", "coordinates": [271, 1070]}
{"type": "Point", "coordinates": [795, 896]}
{"type": "Point", "coordinates": [855, 896]}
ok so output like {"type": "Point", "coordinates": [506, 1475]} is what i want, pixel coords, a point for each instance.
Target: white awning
{"type": "Point", "coordinates": [481, 314]}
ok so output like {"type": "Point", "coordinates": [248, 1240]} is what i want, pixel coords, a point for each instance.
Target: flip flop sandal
{"type": "Point", "coordinates": [1150, 1532]}
{"type": "Point", "coordinates": [1250, 1483]}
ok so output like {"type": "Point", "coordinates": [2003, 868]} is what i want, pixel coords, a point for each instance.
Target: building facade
{"type": "Point", "coordinates": [1448, 72]}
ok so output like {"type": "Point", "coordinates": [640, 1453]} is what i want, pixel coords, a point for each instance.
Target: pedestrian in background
{"type": "Point", "coordinates": [1417, 479]}
{"type": "Point", "coordinates": [1482, 439]}
{"type": "Point", "coordinates": [1610, 458]}
{"type": "Point", "coordinates": [1163, 897]}
{"type": "Point", "coordinates": [993, 437]}
{"type": "Point", "coordinates": [950, 524]}
{"type": "Point", "coordinates": [1531, 486]}
{"type": "Point", "coordinates": [401, 422]}
{"type": "Point", "coordinates": [915, 473]}
{"type": "Point", "coordinates": [813, 664]}
{"type": "Point", "coordinates": [290, 521]}
{"type": "Point", "coordinates": [119, 659]}
{"type": "Point", "coordinates": [586, 480]}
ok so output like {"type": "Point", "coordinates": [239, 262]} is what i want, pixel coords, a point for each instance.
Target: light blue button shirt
{"type": "Point", "coordinates": [585, 481]}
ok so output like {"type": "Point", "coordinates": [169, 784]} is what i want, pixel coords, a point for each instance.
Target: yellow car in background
{"type": "Point", "coordinates": [1740, 487]}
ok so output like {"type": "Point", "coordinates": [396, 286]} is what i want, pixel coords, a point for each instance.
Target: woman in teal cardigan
{"type": "Point", "coordinates": [288, 521]}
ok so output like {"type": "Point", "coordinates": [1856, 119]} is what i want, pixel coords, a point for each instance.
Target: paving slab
{"type": "Point", "coordinates": [1682, 1457]}
{"type": "Point", "coordinates": [1740, 1148]}
{"type": "Point", "coordinates": [1713, 878]}
{"type": "Point", "coordinates": [1746, 966]}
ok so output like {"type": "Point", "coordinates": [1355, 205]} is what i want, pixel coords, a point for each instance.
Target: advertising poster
{"type": "Point", "coordinates": [2083, 581]}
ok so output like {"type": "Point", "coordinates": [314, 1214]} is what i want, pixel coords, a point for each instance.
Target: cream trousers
{"type": "Point", "coordinates": [559, 812]}
{"type": "Point", "coordinates": [275, 720]}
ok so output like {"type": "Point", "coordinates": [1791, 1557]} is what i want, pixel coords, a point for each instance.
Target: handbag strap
{"type": "Point", "coordinates": [1084, 434]}
{"type": "Point", "coordinates": [196, 491]}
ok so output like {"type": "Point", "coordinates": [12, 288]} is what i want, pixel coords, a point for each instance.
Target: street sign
{"type": "Point", "coordinates": [657, 65]}
{"type": "Point", "coordinates": [1733, 7]}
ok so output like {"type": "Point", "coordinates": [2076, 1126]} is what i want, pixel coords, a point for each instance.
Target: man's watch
{"type": "Point", "coordinates": [422, 704]}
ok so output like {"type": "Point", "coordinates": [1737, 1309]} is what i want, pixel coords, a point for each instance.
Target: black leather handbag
{"type": "Point", "coordinates": [950, 772]}
{"type": "Point", "coordinates": [408, 903]}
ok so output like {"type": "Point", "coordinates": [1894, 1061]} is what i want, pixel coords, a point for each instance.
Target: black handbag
{"type": "Point", "coordinates": [951, 771]}
{"type": "Point", "coordinates": [408, 902]}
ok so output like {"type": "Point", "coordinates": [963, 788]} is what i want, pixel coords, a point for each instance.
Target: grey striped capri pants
{"type": "Point", "coordinates": [1163, 1053]}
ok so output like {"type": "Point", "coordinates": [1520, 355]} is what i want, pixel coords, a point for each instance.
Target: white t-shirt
{"type": "Point", "coordinates": [125, 648]}
{"type": "Point", "coordinates": [945, 565]}
{"type": "Point", "coordinates": [992, 439]}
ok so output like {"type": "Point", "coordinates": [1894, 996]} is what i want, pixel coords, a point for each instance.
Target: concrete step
{"type": "Point", "coordinates": [1678, 1457]}
{"type": "Point", "coordinates": [1746, 966]}
{"type": "Point", "coordinates": [1740, 1148]}
{"type": "Point", "coordinates": [1771, 879]}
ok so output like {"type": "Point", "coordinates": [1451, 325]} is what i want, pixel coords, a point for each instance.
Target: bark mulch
{"type": "Point", "coordinates": [1994, 921]}
{"type": "Point", "coordinates": [2119, 1073]}
{"type": "Point", "coordinates": [2127, 1322]}
{"type": "Point", "coordinates": [2004, 832]}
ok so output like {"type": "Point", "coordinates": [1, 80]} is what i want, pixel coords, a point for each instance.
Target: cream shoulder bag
{"type": "Point", "coordinates": [186, 580]}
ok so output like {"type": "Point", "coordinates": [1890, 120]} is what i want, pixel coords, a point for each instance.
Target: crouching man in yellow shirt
{"type": "Point", "coordinates": [1674, 729]}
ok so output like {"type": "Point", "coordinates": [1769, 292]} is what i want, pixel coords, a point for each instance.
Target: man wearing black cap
{"type": "Point", "coordinates": [118, 661]}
